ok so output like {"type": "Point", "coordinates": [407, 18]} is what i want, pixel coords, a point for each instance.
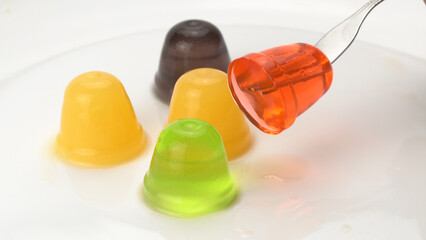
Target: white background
{"type": "Point", "coordinates": [31, 31]}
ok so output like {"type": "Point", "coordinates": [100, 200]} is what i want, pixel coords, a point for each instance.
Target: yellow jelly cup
{"type": "Point", "coordinates": [203, 94]}
{"type": "Point", "coordinates": [99, 127]}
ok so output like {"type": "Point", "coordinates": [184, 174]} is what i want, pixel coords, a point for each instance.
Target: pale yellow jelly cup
{"type": "Point", "coordinates": [203, 94]}
{"type": "Point", "coordinates": [99, 127]}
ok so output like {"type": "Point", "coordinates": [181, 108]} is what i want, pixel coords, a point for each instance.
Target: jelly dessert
{"type": "Point", "coordinates": [98, 125]}
{"type": "Point", "coordinates": [188, 45]}
{"type": "Point", "coordinates": [275, 86]}
{"type": "Point", "coordinates": [203, 94]}
{"type": "Point", "coordinates": [189, 173]}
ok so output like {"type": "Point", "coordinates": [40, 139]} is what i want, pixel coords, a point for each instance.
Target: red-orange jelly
{"type": "Point", "coordinates": [275, 86]}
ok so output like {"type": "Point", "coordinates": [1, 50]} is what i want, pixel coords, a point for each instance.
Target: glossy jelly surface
{"type": "Point", "coordinates": [204, 94]}
{"type": "Point", "coordinates": [189, 174]}
{"type": "Point", "coordinates": [98, 125]}
{"type": "Point", "coordinates": [275, 86]}
{"type": "Point", "coordinates": [188, 45]}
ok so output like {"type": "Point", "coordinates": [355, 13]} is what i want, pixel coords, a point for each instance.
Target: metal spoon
{"type": "Point", "coordinates": [338, 39]}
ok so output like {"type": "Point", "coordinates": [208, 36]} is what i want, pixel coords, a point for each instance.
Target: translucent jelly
{"type": "Point", "coordinates": [275, 86]}
{"type": "Point", "coordinates": [203, 94]}
{"type": "Point", "coordinates": [98, 125]}
{"type": "Point", "coordinates": [189, 174]}
{"type": "Point", "coordinates": [189, 45]}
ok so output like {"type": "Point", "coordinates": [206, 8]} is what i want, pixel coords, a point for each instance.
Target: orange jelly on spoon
{"type": "Point", "coordinates": [275, 86]}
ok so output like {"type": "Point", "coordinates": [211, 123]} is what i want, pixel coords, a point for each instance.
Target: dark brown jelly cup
{"type": "Point", "coordinates": [189, 45]}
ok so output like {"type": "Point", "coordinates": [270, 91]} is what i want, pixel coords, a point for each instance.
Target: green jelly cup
{"type": "Point", "coordinates": [189, 174]}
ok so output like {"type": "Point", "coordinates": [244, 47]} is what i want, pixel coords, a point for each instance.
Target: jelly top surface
{"type": "Point", "coordinates": [190, 141]}
{"type": "Point", "coordinates": [194, 39]}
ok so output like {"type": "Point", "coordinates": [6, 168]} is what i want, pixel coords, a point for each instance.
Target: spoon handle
{"type": "Point", "coordinates": [338, 39]}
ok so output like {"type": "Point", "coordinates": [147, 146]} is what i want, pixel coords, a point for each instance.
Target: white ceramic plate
{"type": "Point", "coordinates": [351, 167]}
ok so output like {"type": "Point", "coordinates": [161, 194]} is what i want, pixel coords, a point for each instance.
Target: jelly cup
{"type": "Point", "coordinates": [275, 86]}
{"type": "Point", "coordinates": [203, 94]}
{"type": "Point", "coordinates": [98, 124]}
{"type": "Point", "coordinates": [189, 174]}
{"type": "Point", "coordinates": [188, 45]}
